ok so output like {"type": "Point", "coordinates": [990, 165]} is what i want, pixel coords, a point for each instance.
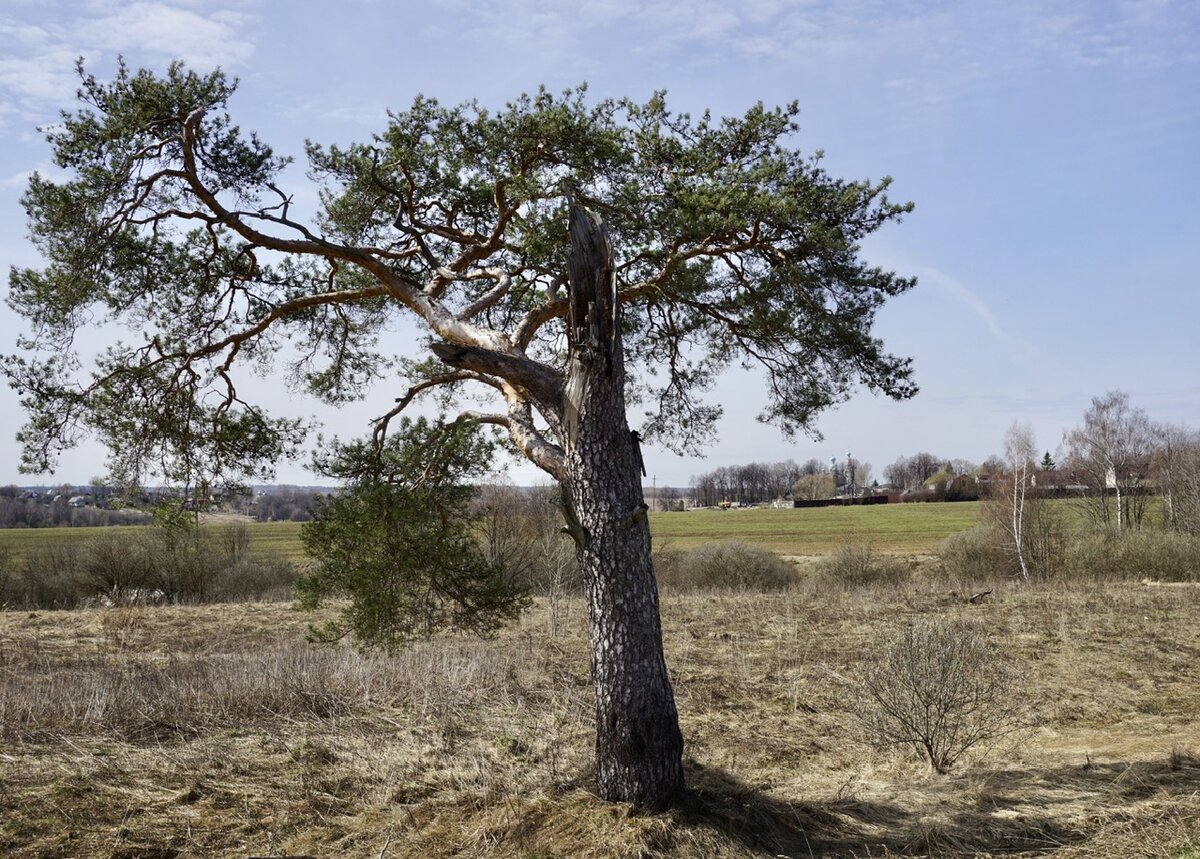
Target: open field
{"type": "Point", "coordinates": [280, 537]}
{"type": "Point", "coordinates": [896, 528]}
{"type": "Point", "coordinates": [216, 731]}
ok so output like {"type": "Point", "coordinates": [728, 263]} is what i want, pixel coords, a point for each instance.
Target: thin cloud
{"type": "Point", "coordinates": [965, 296]}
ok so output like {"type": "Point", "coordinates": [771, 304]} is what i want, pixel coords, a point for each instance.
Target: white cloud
{"type": "Point", "coordinates": [199, 40]}
{"type": "Point", "coordinates": [47, 169]}
{"type": "Point", "coordinates": [37, 62]}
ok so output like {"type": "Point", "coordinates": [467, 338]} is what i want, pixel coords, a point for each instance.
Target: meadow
{"type": "Point", "coordinates": [197, 731]}
{"type": "Point", "coordinates": [895, 528]}
{"type": "Point", "coordinates": [166, 732]}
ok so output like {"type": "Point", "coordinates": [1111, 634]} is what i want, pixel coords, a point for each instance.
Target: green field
{"type": "Point", "coordinates": [280, 537]}
{"type": "Point", "coordinates": [897, 528]}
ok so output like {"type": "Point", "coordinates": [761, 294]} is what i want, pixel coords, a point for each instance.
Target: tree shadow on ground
{"type": "Point", "coordinates": [984, 811]}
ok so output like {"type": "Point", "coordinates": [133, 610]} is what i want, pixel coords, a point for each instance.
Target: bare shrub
{"type": "Point", "coordinates": [182, 566]}
{"type": "Point", "coordinates": [940, 688]}
{"type": "Point", "coordinates": [1166, 556]}
{"type": "Point", "coordinates": [50, 577]}
{"type": "Point", "coordinates": [858, 565]}
{"type": "Point", "coordinates": [723, 566]}
{"type": "Point", "coordinates": [978, 554]}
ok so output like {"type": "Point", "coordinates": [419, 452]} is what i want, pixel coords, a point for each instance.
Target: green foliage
{"type": "Point", "coordinates": [398, 541]}
{"type": "Point", "coordinates": [729, 246]}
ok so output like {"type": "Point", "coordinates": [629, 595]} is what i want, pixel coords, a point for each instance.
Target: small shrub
{"type": "Point", "coordinates": [50, 578]}
{"type": "Point", "coordinates": [975, 555]}
{"type": "Point", "coordinates": [255, 577]}
{"type": "Point", "coordinates": [726, 566]}
{"type": "Point", "coordinates": [858, 565]}
{"type": "Point", "coordinates": [940, 688]}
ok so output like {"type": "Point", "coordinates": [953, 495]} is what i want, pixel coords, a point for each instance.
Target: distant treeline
{"type": "Point", "coordinates": [748, 484]}
{"type": "Point", "coordinates": [75, 506]}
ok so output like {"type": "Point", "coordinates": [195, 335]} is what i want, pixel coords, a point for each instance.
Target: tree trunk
{"type": "Point", "coordinates": [639, 748]}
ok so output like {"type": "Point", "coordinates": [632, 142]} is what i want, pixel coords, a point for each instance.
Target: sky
{"type": "Point", "coordinates": [1052, 150]}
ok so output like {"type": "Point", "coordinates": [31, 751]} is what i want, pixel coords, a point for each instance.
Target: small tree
{"type": "Point", "coordinates": [1111, 451]}
{"type": "Point", "coordinates": [1176, 468]}
{"type": "Point", "coordinates": [1030, 524]}
{"type": "Point", "coordinates": [399, 541]}
{"type": "Point", "coordinates": [812, 487]}
{"type": "Point", "coordinates": [1018, 453]}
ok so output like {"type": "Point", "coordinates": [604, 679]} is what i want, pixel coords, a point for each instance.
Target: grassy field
{"type": "Point", "coordinates": [217, 731]}
{"type": "Point", "coordinates": [280, 537]}
{"type": "Point", "coordinates": [896, 528]}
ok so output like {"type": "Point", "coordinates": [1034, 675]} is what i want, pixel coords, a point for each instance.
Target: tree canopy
{"type": "Point", "coordinates": [728, 246]}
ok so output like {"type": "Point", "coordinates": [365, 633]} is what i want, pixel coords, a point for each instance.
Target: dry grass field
{"type": "Point", "coordinates": [217, 731]}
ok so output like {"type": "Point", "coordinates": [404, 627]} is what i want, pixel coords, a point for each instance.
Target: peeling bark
{"type": "Point", "coordinates": [639, 747]}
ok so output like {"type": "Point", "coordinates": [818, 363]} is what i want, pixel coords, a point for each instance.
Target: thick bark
{"type": "Point", "coordinates": [639, 747]}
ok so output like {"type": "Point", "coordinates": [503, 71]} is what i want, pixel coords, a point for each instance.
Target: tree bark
{"type": "Point", "coordinates": [639, 748]}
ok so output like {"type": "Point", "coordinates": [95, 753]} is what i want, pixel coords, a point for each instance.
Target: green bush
{"type": "Point", "coordinates": [858, 565]}
{"type": "Point", "coordinates": [723, 566]}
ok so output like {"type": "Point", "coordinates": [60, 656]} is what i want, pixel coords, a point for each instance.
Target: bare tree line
{"type": "Point", "coordinates": [749, 484]}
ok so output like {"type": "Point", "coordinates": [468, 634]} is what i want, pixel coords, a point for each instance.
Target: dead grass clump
{"type": "Point", "coordinates": [140, 699]}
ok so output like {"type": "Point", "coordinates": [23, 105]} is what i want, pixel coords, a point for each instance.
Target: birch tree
{"type": "Point", "coordinates": [1112, 451]}
{"type": "Point", "coordinates": [1018, 454]}
{"type": "Point", "coordinates": [561, 255]}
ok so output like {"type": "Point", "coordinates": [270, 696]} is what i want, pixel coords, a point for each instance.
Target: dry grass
{"type": "Point", "coordinates": [215, 731]}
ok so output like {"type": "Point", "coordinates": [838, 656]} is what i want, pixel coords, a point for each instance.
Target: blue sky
{"type": "Point", "coordinates": [1052, 150]}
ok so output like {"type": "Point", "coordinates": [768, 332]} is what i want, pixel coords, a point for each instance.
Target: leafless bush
{"type": "Point", "coordinates": [49, 576]}
{"type": "Point", "coordinates": [732, 565]}
{"type": "Point", "coordinates": [190, 566]}
{"type": "Point", "coordinates": [1167, 556]}
{"type": "Point", "coordinates": [940, 688]}
{"type": "Point", "coordinates": [858, 565]}
{"type": "Point", "coordinates": [975, 555]}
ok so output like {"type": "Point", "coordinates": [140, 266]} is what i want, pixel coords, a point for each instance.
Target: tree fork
{"type": "Point", "coordinates": [639, 747]}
